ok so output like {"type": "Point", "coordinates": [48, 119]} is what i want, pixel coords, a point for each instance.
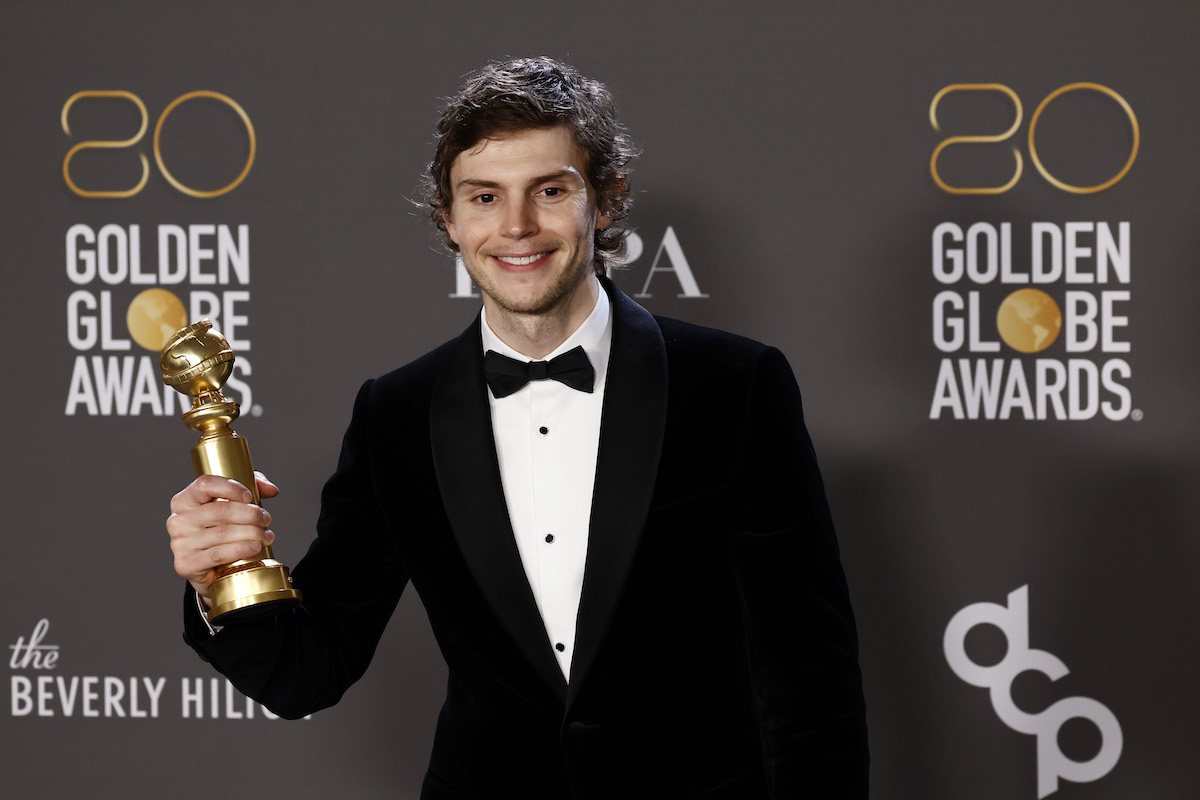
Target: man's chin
{"type": "Point", "coordinates": [530, 306]}
{"type": "Point", "coordinates": [531, 298]}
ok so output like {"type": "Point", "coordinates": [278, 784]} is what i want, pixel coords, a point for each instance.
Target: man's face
{"type": "Point", "coordinates": [523, 216]}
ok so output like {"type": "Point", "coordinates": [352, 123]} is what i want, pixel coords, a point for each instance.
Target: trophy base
{"type": "Point", "coordinates": [251, 589]}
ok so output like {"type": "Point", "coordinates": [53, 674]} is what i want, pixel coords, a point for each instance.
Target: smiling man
{"type": "Point", "coordinates": [615, 522]}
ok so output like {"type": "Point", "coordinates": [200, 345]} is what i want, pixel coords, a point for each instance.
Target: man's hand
{"type": "Point", "coordinates": [206, 534]}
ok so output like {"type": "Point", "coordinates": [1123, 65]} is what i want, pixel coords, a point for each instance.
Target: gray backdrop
{"type": "Point", "coordinates": [786, 158]}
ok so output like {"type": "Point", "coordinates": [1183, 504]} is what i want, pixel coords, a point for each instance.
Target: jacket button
{"type": "Point", "coordinates": [578, 728]}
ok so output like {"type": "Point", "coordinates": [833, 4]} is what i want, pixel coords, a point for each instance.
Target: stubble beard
{"type": "Point", "coordinates": [544, 303]}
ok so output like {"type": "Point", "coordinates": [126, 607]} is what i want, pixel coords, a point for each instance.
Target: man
{"type": "Point", "coordinates": [625, 554]}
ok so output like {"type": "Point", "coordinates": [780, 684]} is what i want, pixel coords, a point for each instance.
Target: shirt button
{"type": "Point", "coordinates": [549, 538]}
{"type": "Point", "coordinates": [543, 430]}
{"type": "Point", "coordinates": [560, 647]}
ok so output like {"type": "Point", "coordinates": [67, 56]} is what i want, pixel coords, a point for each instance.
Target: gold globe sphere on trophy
{"type": "Point", "coordinates": [197, 361]}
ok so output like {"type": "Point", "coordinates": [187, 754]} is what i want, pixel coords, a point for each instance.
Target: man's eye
{"type": "Point", "coordinates": [485, 198]}
{"type": "Point", "coordinates": [552, 191]}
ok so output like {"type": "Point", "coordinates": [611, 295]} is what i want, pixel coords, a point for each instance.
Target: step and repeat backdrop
{"type": "Point", "coordinates": [972, 228]}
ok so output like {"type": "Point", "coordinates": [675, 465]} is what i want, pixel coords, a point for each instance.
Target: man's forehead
{"type": "Point", "coordinates": [539, 149]}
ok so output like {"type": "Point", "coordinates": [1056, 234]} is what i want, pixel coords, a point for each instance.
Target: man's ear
{"type": "Point", "coordinates": [448, 221]}
{"type": "Point", "coordinates": [604, 215]}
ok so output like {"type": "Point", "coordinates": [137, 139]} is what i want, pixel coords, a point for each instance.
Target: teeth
{"type": "Point", "coordinates": [520, 261]}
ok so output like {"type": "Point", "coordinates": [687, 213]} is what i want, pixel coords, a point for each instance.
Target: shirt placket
{"type": "Point", "coordinates": [551, 530]}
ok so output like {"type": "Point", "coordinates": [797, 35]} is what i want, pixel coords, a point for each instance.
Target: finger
{"type": "Point", "coordinates": [194, 554]}
{"type": "Point", "coordinates": [187, 539]}
{"type": "Point", "coordinates": [198, 566]}
{"type": "Point", "coordinates": [265, 487]}
{"type": "Point", "coordinates": [207, 488]}
{"type": "Point", "coordinates": [222, 512]}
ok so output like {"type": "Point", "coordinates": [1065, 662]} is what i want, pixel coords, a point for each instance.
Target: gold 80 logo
{"type": "Point", "coordinates": [101, 144]}
{"type": "Point", "coordinates": [1032, 137]}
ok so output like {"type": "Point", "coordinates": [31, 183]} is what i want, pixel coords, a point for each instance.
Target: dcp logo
{"type": "Point", "coordinates": [1013, 621]}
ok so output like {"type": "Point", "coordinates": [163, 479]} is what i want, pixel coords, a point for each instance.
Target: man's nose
{"type": "Point", "coordinates": [520, 219]}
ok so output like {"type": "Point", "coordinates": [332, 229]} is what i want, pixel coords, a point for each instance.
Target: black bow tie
{"type": "Point", "coordinates": [506, 375]}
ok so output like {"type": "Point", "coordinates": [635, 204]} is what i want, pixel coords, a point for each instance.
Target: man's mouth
{"type": "Point", "coordinates": [522, 261]}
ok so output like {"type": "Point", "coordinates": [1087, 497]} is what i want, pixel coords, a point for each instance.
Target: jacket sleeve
{"type": "Point", "coordinates": [802, 640]}
{"type": "Point", "coordinates": [304, 659]}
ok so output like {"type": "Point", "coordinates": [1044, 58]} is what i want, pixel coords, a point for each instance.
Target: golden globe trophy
{"type": "Point", "coordinates": [197, 361]}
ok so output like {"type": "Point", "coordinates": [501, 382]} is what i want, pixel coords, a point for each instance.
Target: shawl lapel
{"type": "Point", "coordinates": [632, 425]}
{"type": "Point", "coordinates": [468, 474]}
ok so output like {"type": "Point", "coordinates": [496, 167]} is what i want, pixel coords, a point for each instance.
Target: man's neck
{"type": "Point", "coordinates": [537, 335]}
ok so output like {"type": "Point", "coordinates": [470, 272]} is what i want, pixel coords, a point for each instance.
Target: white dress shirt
{"type": "Point", "coordinates": [547, 436]}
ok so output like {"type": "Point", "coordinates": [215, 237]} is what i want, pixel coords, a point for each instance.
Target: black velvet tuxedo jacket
{"type": "Point", "coordinates": [716, 654]}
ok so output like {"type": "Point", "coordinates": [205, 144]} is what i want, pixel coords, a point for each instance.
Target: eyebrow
{"type": "Point", "coordinates": [478, 183]}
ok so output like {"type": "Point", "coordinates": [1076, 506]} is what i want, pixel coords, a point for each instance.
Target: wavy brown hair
{"type": "Point", "coordinates": [524, 93]}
